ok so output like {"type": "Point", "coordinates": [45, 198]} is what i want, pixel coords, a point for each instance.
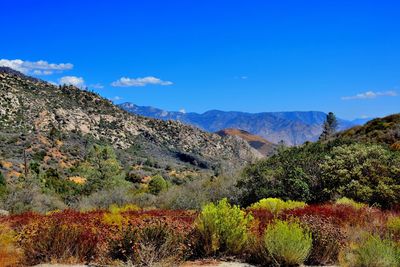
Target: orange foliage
{"type": "Point", "coordinates": [77, 179]}
{"type": "Point", "coordinates": [6, 164]}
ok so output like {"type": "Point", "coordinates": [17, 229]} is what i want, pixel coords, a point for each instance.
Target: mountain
{"type": "Point", "coordinates": [54, 125]}
{"type": "Point", "coordinates": [263, 146]}
{"type": "Point", "coordinates": [293, 128]}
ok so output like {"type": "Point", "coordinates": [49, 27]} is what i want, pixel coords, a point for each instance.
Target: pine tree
{"type": "Point", "coordinates": [329, 127]}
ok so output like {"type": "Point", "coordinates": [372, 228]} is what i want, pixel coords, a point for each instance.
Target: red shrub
{"type": "Point", "coordinates": [337, 214]}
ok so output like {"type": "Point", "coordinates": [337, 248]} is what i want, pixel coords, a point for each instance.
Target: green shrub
{"type": "Point", "coordinates": [350, 202]}
{"type": "Point", "coordinates": [393, 224]}
{"type": "Point", "coordinates": [223, 227]}
{"type": "Point", "coordinates": [3, 186]}
{"type": "Point", "coordinates": [276, 205]}
{"type": "Point", "coordinates": [157, 184]}
{"type": "Point", "coordinates": [288, 242]}
{"type": "Point", "coordinates": [371, 251]}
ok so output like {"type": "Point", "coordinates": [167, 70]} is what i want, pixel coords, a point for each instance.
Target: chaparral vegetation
{"type": "Point", "coordinates": [124, 190]}
{"type": "Point", "coordinates": [324, 234]}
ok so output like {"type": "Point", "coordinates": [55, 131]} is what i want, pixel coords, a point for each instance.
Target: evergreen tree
{"type": "Point", "coordinates": [101, 169]}
{"type": "Point", "coordinates": [329, 127]}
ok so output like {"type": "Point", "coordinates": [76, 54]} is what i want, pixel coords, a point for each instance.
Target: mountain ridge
{"type": "Point", "coordinates": [293, 127]}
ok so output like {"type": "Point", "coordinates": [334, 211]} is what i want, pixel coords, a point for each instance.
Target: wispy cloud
{"type": "Point", "coordinates": [370, 95]}
{"type": "Point", "coordinates": [96, 86]}
{"type": "Point", "coordinates": [139, 82]}
{"type": "Point", "coordinates": [116, 98]}
{"type": "Point", "coordinates": [40, 67]}
{"type": "Point", "coordinates": [72, 80]}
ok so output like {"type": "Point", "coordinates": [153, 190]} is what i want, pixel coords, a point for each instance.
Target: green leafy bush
{"type": "Point", "coordinates": [371, 251]}
{"type": "Point", "coordinates": [350, 202]}
{"type": "Point", "coordinates": [276, 205]}
{"type": "Point", "coordinates": [157, 184]}
{"type": "Point", "coordinates": [288, 242]}
{"type": "Point", "coordinates": [223, 227]}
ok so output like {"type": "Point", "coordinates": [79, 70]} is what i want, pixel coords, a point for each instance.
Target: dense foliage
{"type": "Point", "coordinates": [319, 172]}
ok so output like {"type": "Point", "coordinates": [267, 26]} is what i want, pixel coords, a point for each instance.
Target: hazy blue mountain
{"type": "Point", "coordinates": [293, 128]}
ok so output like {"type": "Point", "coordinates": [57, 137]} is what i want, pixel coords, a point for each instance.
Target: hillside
{"type": "Point", "coordinates": [381, 130]}
{"type": "Point", "coordinates": [257, 142]}
{"type": "Point", "coordinates": [55, 125]}
{"type": "Point", "coordinates": [294, 128]}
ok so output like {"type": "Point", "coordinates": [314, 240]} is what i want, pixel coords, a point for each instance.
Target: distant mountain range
{"type": "Point", "coordinates": [293, 128]}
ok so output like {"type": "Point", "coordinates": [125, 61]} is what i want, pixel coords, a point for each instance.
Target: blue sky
{"type": "Point", "coordinates": [340, 56]}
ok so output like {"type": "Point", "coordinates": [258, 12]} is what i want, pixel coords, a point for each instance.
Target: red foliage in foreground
{"type": "Point", "coordinates": [83, 237]}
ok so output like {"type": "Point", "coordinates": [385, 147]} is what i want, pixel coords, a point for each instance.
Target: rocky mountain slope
{"type": "Point", "coordinates": [257, 142]}
{"type": "Point", "coordinates": [293, 128]}
{"type": "Point", "coordinates": [55, 123]}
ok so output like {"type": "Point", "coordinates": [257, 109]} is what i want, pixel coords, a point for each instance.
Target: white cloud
{"type": "Point", "coordinates": [182, 110]}
{"type": "Point", "coordinates": [116, 98]}
{"type": "Point", "coordinates": [370, 95]}
{"type": "Point", "coordinates": [72, 80]}
{"type": "Point", "coordinates": [96, 86]}
{"type": "Point", "coordinates": [138, 82]}
{"type": "Point", "coordinates": [40, 67]}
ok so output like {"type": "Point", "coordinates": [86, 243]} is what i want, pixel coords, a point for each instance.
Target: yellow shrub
{"type": "Point", "coordinates": [288, 242]}
{"type": "Point", "coordinates": [276, 205]}
{"type": "Point", "coordinates": [115, 217]}
{"type": "Point", "coordinates": [393, 224]}
{"type": "Point", "coordinates": [223, 227]}
{"type": "Point", "coordinates": [9, 253]}
{"type": "Point", "coordinates": [350, 202]}
{"type": "Point", "coordinates": [125, 208]}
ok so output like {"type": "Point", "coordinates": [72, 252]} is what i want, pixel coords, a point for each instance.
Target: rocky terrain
{"type": "Point", "coordinates": [48, 122]}
{"type": "Point", "coordinates": [257, 142]}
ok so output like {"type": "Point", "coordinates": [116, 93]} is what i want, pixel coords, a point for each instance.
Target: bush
{"type": "Point", "coordinates": [3, 186]}
{"type": "Point", "coordinates": [288, 242]}
{"type": "Point", "coordinates": [328, 239]}
{"type": "Point", "coordinates": [29, 198]}
{"type": "Point", "coordinates": [371, 251]}
{"type": "Point", "coordinates": [10, 255]}
{"type": "Point", "coordinates": [157, 243]}
{"type": "Point", "coordinates": [393, 224]}
{"type": "Point", "coordinates": [276, 205]}
{"type": "Point", "coordinates": [114, 216]}
{"type": "Point", "coordinates": [223, 227]}
{"type": "Point", "coordinates": [105, 198]}
{"type": "Point", "coordinates": [157, 184]}
{"type": "Point", "coordinates": [55, 239]}
{"type": "Point", "coordinates": [350, 202]}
